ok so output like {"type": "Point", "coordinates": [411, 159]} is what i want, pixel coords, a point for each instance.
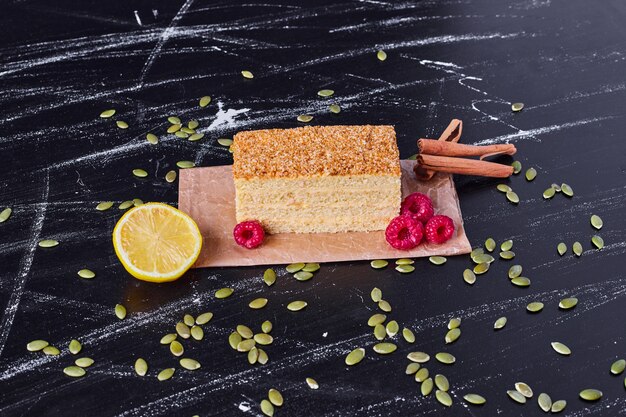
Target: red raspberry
{"type": "Point", "coordinates": [249, 234]}
{"type": "Point", "coordinates": [404, 233]}
{"type": "Point", "coordinates": [418, 206]}
{"type": "Point", "coordinates": [439, 229]}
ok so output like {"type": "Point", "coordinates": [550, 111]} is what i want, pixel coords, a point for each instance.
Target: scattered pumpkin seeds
{"type": "Point", "coordinates": [531, 174]}
{"type": "Point", "coordinates": [293, 268]}
{"type": "Point", "coordinates": [577, 248]}
{"type": "Point", "coordinates": [304, 118]}
{"type": "Point", "coordinates": [185, 164]}
{"type": "Point", "coordinates": [445, 358]}
{"type": "Point", "coordinates": [405, 261]}
{"type": "Point", "coordinates": [266, 326]}
{"type": "Point", "coordinates": [556, 187]}
{"type": "Point", "coordinates": [549, 193]}
{"type": "Point", "coordinates": [174, 128]}
{"type": "Point", "coordinates": [597, 241]}
{"type": "Point", "coordinates": [412, 368]}
{"type": "Point", "coordinates": [590, 394]}
{"type": "Point", "coordinates": [296, 305]}
{"type": "Point", "coordinates": [503, 188]}
{"type": "Point", "coordinates": [188, 320]}
{"type": "Point", "coordinates": [524, 389]}
{"type": "Point", "coordinates": [181, 134]}
{"type": "Point", "coordinates": [452, 335]}
{"type": "Point", "coordinates": [325, 93]}
{"type": "Point", "coordinates": [195, 136]}
{"type": "Point", "coordinates": [441, 382]}
{"type": "Point", "coordinates": [385, 348]}
{"type": "Point", "coordinates": [381, 55]}
{"type": "Point", "coordinates": [419, 357]}
{"type": "Point", "coordinates": [36, 345]}
{"type": "Point", "coordinates": [469, 276]}
{"type": "Point", "coordinates": [558, 406]}
{"type": "Point", "coordinates": [51, 351]}
{"type": "Point", "coordinates": [334, 108]}
{"type": "Point", "coordinates": [474, 399]}
{"type": "Point", "coordinates": [535, 307]}
{"type": "Point", "coordinates": [311, 267]}
{"type": "Point", "coordinates": [196, 332]}
{"type": "Point", "coordinates": [263, 339]}
{"type": "Point", "coordinates": [521, 282]}
{"type": "Point", "coordinates": [506, 245]}
{"type": "Point", "coordinates": [6, 213]}
{"type": "Point", "coordinates": [515, 271]}
{"type": "Point", "coordinates": [392, 328]}
{"type": "Point", "coordinates": [376, 294]}
{"type": "Point", "coordinates": [303, 275]}
{"type": "Point", "coordinates": [225, 141]}
{"type": "Point", "coordinates": [561, 348]}
{"type": "Point", "coordinates": [618, 366]}
{"type": "Point", "coordinates": [174, 120]}
{"type": "Point", "coordinates": [246, 345]}
{"type": "Point", "coordinates": [437, 260]}
{"type": "Point", "coordinates": [355, 356]}
{"type": "Point", "coordinates": [507, 254]}
{"type": "Point", "coordinates": [561, 248]}
{"type": "Point", "coordinates": [168, 338]}
{"type": "Point", "coordinates": [86, 274]}
{"type": "Point", "coordinates": [517, 107]}
{"type": "Point", "coordinates": [517, 167]}
{"type": "Point", "coordinates": [545, 402]}
{"type": "Point", "coordinates": [476, 252]}
{"type": "Point", "coordinates": [427, 386]}
{"type": "Point", "coordinates": [408, 335]}
{"type": "Point", "coordinates": [443, 397]}
{"type": "Point", "coordinates": [269, 277]}
{"type": "Point", "coordinates": [189, 364]}
{"type": "Point", "coordinates": [121, 124]}
{"type": "Point", "coordinates": [481, 268]}
{"type": "Point", "coordinates": [500, 323]}
{"type": "Point", "coordinates": [258, 303]}
{"type": "Point", "coordinates": [483, 258]}
{"type": "Point", "coordinates": [141, 367]}
{"type": "Point", "coordinates": [422, 375]}
{"type": "Point", "coordinates": [312, 383]}
{"type": "Point", "coordinates": [568, 303]}
{"type": "Point", "coordinates": [244, 331]}
{"type": "Point", "coordinates": [176, 348]}
{"type": "Point", "coordinates": [490, 244]}
{"type": "Point", "coordinates": [567, 190]}
{"type": "Point", "coordinates": [204, 101]}
{"type": "Point", "coordinates": [234, 339]}
{"type": "Point", "coordinates": [247, 74]}
{"type": "Point", "coordinates": [223, 293]}
{"type": "Point", "coordinates": [204, 318]}
{"type": "Point", "coordinates": [84, 362]}
{"type": "Point", "coordinates": [107, 113]}
{"type": "Point", "coordinates": [405, 269]}
{"type": "Point", "coordinates": [253, 355]}
{"type": "Point", "coordinates": [74, 371]}
{"type": "Point", "coordinates": [125, 204]}
{"type": "Point", "coordinates": [104, 205]}
{"type": "Point", "coordinates": [380, 332]}
{"type": "Point", "coordinates": [137, 202]}
{"type": "Point", "coordinates": [516, 396]}
{"type": "Point", "coordinates": [193, 124]}
{"type": "Point", "coordinates": [384, 306]}
{"type": "Point", "coordinates": [120, 311]}
{"type": "Point", "coordinates": [596, 222]}
{"type": "Point", "coordinates": [512, 197]}
{"type": "Point", "coordinates": [376, 319]}
{"type": "Point", "coordinates": [48, 243]}
{"type": "Point", "coordinates": [275, 397]}
{"type": "Point", "coordinates": [75, 346]}
{"type": "Point", "coordinates": [166, 374]}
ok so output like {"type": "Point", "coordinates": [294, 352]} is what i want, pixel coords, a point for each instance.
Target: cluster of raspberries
{"type": "Point", "coordinates": [416, 222]}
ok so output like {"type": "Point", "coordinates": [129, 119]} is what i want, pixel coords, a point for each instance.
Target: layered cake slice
{"type": "Point", "coordinates": [317, 178]}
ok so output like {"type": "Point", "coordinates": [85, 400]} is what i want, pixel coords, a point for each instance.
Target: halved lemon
{"type": "Point", "coordinates": [156, 242]}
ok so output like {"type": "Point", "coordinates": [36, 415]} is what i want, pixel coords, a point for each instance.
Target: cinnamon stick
{"type": "Point", "coordinates": [452, 134]}
{"type": "Point", "coordinates": [464, 166]}
{"type": "Point", "coordinates": [442, 148]}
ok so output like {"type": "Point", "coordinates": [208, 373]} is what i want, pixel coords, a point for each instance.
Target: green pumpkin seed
{"type": "Point", "coordinates": [176, 348]}
{"type": "Point", "coordinates": [275, 397]}
{"type": "Point", "coordinates": [412, 368]}
{"type": "Point", "coordinates": [376, 319]}
{"type": "Point", "coordinates": [168, 338]}
{"type": "Point", "coordinates": [104, 205]}
{"type": "Point", "coordinates": [516, 396]}
{"type": "Point", "coordinates": [121, 124]}
{"type": "Point", "coordinates": [258, 303]}
{"type": "Point", "coordinates": [305, 118]}
{"type": "Point", "coordinates": [405, 261]}
{"type": "Point", "coordinates": [225, 141]}
{"type": "Point", "coordinates": [181, 134]}
{"type": "Point", "coordinates": [75, 346]}
{"type": "Point", "coordinates": [427, 387]}
{"type": "Point", "coordinates": [380, 332]}
{"type": "Point", "coordinates": [74, 371]}
{"type": "Point", "coordinates": [312, 383]}
{"type": "Point", "coordinates": [385, 348]}
{"type": "Point", "coordinates": [512, 197]}
{"type": "Point", "coordinates": [443, 397]}
{"type": "Point", "coordinates": [419, 357]}
{"type": "Point", "coordinates": [107, 113]}
{"type": "Point", "coordinates": [474, 399]}
{"type": "Point", "coordinates": [262, 357]}
{"type": "Point", "coordinates": [500, 323]}
{"type": "Point", "coordinates": [244, 331]}
{"type": "Point", "coordinates": [421, 375]}
{"type": "Point", "coordinates": [311, 267]}
{"type": "Point", "coordinates": [517, 107]}
{"type": "Point", "coordinates": [568, 303]}
{"type": "Point", "coordinates": [483, 258]}
{"type": "Point", "coordinates": [51, 351]}
{"type": "Point", "coordinates": [246, 345]}
{"type": "Point", "coordinates": [36, 345]}
{"type": "Point", "coordinates": [334, 108]}
{"type": "Point", "coordinates": [531, 174]}
{"type": "Point", "coordinates": [481, 268]}
{"type": "Point", "coordinates": [293, 268]}
{"type": "Point", "coordinates": [376, 294]}
{"type": "Point", "coordinates": [189, 364]}
{"type": "Point", "coordinates": [204, 101]}
{"type": "Point", "coordinates": [86, 274]}
{"type": "Point", "coordinates": [503, 188]}
{"type": "Point", "coordinates": [535, 307]}
{"type": "Point", "coordinates": [561, 248]}
{"type": "Point", "coordinates": [204, 318]}
{"type": "Point", "coordinates": [524, 389]}
{"type": "Point", "coordinates": [561, 348]}
{"type": "Point", "coordinates": [120, 311]}
{"type": "Point", "coordinates": [266, 326]}
{"type": "Point", "coordinates": [234, 339]}
{"type": "Point", "coordinates": [618, 366]}
{"type": "Point", "coordinates": [549, 193]}
{"type": "Point", "coordinates": [125, 204]}
{"type": "Point", "coordinates": [223, 293]}
{"type": "Point", "coordinates": [405, 269]}
{"type": "Point", "coordinates": [521, 282]}
{"type": "Point", "coordinates": [490, 244]}
{"type": "Point", "coordinates": [469, 276]}
{"type": "Point", "coordinates": [303, 275]}
{"type": "Point", "coordinates": [381, 55]}
{"type": "Point", "coordinates": [558, 406]}
{"type": "Point", "coordinates": [166, 374]}
{"type": "Point", "coordinates": [452, 335]}
{"type": "Point", "coordinates": [506, 245]}
{"type": "Point", "coordinates": [48, 243]}
{"type": "Point", "coordinates": [263, 339]}
{"type": "Point", "coordinates": [590, 394]}
{"type": "Point", "coordinates": [441, 382]}
{"type": "Point", "coordinates": [247, 74]}
{"type": "Point", "coordinates": [476, 252]}
{"type": "Point", "coordinates": [596, 222]}
{"type": "Point", "coordinates": [597, 241]}
{"type": "Point", "coordinates": [137, 202]}
{"type": "Point", "coordinates": [379, 264]}
{"type": "Point", "coordinates": [392, 328]}
{"type": "Point", "coordinates": [296, 305]}
{"type": "Point", "coordinates": [174, 120]}
{"type": "Point", "coordinates": [355, 356]}
{"type": "Point", "coordinates": [193, 124]}
{"type": "Point", "coordinates": [195, 136]}
{"type": "Point", "coordinates": [174, 128]}
{"type": "Point", "coordinates": [515, 271]}
{"type": "Point", "coordinates": [445, 358]}
{"type": "Point", "coordinates": [188, 320]}
{"type": "Point", "coordinates": [567, 190]}
{"type": "Point", "coordinates": [269, 277]}
{"type": "Point", "coordinates": [556, 187]}
{"type": "Point", "coordinates": [408, 335]}
{"type": "Point", "coordinates": [6, 213]}
{"type": "Point", "coordinates": [517, 167]}
{"type": "Point", "coordinates": [141, 367]}
{"type": "Point", "coordinates": [437, 260]}
{"type": "Point", "coordinates": [577, 248]}
{"type": "Point", "coordinates": [197, 333]}
{"type": "Point", "coordinates": [188, 130]}
{"type": "Point", "coordinates": [83, 362]}
{"type": "Point", "coordinates": [185, 164]}
{"type": "Point", "coordinates": [507, 255]}
{"type": "Point", "coordinates": [544, 401]}
{"type": "Point", "coordinates": [384, 306]}
{"type": "Point", "coordinates": [325, 93]}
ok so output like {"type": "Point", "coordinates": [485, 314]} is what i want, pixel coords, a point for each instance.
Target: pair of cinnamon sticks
{"type": "Point", "coordinates": [446, 155]}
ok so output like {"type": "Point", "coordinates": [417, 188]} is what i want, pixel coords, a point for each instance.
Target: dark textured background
{"type": "Point", "coordinates": [63, 62]}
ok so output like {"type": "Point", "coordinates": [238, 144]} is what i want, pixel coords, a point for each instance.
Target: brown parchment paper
{"type": "Point", "coordinates": [208, 196]}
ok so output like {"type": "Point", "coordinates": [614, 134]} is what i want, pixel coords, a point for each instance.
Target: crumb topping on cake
{"type": "Point", "coordinates": [316, 151]}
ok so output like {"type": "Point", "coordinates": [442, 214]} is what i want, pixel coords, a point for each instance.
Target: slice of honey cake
{"type": "Point", "coordinates": [317, 178]}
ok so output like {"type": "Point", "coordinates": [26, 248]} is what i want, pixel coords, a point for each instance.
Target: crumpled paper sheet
{"type": "Point", "coordinates": [208, 196]}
